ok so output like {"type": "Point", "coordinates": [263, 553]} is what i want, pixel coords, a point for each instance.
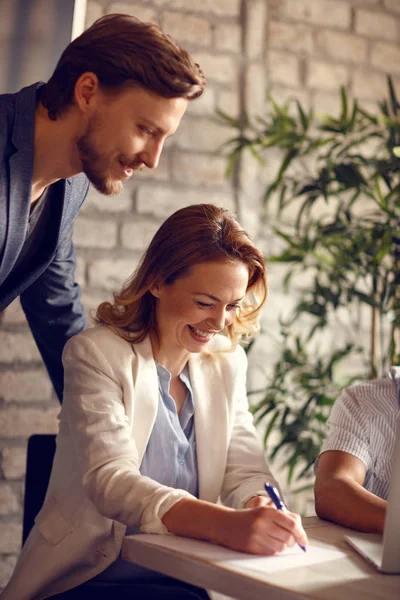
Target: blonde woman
{"type": "Point", "coordinates": [155, 426]}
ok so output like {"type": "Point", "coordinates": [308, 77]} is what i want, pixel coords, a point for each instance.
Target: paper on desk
{"type": "Point", "coordinates": [289, 559]}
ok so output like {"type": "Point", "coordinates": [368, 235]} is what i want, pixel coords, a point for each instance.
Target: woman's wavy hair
{"type": "Point", "coordinates": [122, 50]}
{"type": "Point", "coordinates": [192, 235]}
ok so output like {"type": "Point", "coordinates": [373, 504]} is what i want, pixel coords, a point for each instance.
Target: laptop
{"type": "Point", "coordinates": [384, 551]}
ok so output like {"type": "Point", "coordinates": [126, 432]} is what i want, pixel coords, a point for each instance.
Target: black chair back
{"type": "Point", "coordinates": [39, 460]}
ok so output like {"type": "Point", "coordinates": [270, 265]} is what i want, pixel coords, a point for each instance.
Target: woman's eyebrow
{"type": "Point", "coordinates": [215, 297]}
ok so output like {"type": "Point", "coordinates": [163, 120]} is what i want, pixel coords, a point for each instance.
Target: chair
{"type": "Point", "coordinates": [39, 460]}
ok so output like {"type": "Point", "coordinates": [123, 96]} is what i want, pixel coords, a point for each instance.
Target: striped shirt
{"type": "Point", "coordinates": [363, 423]}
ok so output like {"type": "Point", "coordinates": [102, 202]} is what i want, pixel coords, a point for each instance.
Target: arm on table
{"type": "Point", "coordinates": [340, 497]}
{"type": "Point", "coordinates": [259, 530]}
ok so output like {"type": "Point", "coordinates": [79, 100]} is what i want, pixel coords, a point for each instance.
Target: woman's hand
{"type": "Point", "coordinates": [259, 529]}
{"type": "Point", "coordinates": [262, 529]}
{"type": "Point", "coordinates": [256, 501]}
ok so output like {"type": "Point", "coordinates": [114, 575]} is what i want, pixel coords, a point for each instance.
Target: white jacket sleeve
{"type": "Point", "coordinates": [102, 438]}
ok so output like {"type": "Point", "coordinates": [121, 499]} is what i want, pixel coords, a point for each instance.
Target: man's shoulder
{"type": "Point", "coordinates": [372, 396]}
{"type": "Point", "coordinates": [80, 185]}
{"type": "Point", "coordinates": [7, 111]}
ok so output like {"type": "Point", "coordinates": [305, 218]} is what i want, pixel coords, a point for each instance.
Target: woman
{"type": "Point", "coordinates": [155, 425]}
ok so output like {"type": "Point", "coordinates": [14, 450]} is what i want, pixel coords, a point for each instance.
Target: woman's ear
{"type": "Point", "coordinates": [155, 290]}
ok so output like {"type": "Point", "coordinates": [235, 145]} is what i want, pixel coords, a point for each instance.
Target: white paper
{"type": "Point", "coordinates": [289, 559]}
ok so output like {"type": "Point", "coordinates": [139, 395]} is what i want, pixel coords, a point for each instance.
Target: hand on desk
{"type": "Point", "coordinates": [258, 529]}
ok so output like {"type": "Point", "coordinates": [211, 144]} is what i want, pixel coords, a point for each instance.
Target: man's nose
{"type": "Point", "coordinates": [151, 154]}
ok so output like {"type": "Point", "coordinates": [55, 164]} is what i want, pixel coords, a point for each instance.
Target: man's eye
{"type": "Point", "coordinates": [146, 130]}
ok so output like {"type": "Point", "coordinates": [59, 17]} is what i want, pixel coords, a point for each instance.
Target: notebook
{"type": "Point", "coordinates": [384, 551]}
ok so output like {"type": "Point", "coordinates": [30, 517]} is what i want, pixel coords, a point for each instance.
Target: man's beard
{"type": "Point", "coordinates": [95, 163]}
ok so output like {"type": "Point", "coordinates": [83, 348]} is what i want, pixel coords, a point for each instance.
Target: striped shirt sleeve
{"type": "Point", "coordinates": [348, 429]}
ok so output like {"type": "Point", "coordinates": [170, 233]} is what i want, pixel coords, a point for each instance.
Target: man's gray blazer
{"type": "Point", "coordinates": [49, 295]}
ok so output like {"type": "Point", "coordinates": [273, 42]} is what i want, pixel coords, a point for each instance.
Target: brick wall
{"type": "Point", "coordinates": [302, 48]}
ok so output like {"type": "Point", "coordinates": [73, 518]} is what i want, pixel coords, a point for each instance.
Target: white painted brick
{"type": "Point", "coordinates": [203, 106]}
{"type": "Point", "coordinates": [295, 37]}
{"type": "Point", "coordinates": [325, 103]}
{"type": "Point", "coordinates": [13, 314]}
{"type": "Point", "coordinates": [393, 5]}
{"type": "Point", "coordinates": [326, 75]}
{"type": "Point", "coordinates": [8, 499]}
{"type": "Point", "coordinates": [255, 89]}
{"type": "Point", "coordinates": [229, 103]}
{"type": "Point", "coordinates": [23, 422]}
{"type": "Point", "coordinates": [283, 68]}
{"type": "Point", "coordinates": [228, 8]}
{"type": "Point", "coordinates": [13, 463]}
{"type": "Point", "coordinates": [187, 28]}
{"type": "Point", "coordinates": [110, 274]}
{"type": "Point", "coordinates": [317, 12]}
{"type": "Point", "coordinates": [386, 57]}
{"type": "Point", "coordinates": [202, 135]}
{"type": "Point", "coordinates": [228, 37]}
{"type": "Point", "coordinates": [161, 172]}
{"type": "Point", "coordinates": [17, 347]}
{"type": "Point", "coordinates": [10, 538]}
{"type": "Point", "coordinates": [80, 271]}
{"type": "Point", "coordinates": [144, 13]}
{"type": "Point", "coordinates": [91, 301]}
{"type": "Point", "coordinates": [369, 84]}
{"type": "Point", "coordinates": [199, 169]}
{"type": "Point", "coordinates": [113, 204]}
{"type": "Point", "coordinates": [168, 200]}
{"type": "Point", "coordinates": [376, 24]}
{"type": "Point", "coordinates": [25, 386]}
{"type": "Point", "coordinates": [138, 235]}
{"type": "Point", "coordinates": [90, 233]}
{"type": "Point", "coordinates": [221, 69]}
{"type": "Point", "coordinates": [7, 565]}
{"type": "Point", "coordinates": [341, 46]}
{"type": "Point", "coordinates": [93, 12]}
{"type": "Point", "coordinates": [283, 94]}
{"type": "Point", "coordinates": [255, 33]}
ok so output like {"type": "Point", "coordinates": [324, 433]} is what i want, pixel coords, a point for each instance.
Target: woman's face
{"type": "Point", "coordinates": [200, 304]}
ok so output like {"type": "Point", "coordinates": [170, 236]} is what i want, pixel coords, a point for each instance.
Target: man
{"type": "Point", "coordinates": [353, 471]}
{"type": "Point", "coordinates": [118, 91]}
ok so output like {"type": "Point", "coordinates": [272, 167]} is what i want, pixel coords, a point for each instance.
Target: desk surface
{"type": "Point", "coordinates": [345, 578]}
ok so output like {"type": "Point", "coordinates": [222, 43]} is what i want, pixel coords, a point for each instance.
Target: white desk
{"type": "Point", "coordinates": [346, 578]}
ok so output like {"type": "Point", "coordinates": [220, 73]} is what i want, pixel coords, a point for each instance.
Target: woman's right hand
{"type": "Point", "coordinates": [261, 530]}
{"type": "Point", "coordinates": [258, 530]}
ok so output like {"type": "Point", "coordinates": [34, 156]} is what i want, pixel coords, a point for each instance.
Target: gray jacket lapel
{"type": "Point", "coordinates": [19, 176]}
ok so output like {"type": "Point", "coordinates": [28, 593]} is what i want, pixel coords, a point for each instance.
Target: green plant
{"type": "Point", "coordinates": [336, 194]}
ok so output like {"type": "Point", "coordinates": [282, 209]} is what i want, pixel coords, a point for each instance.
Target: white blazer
{"type": "Point", "coordinates": [96, 489]}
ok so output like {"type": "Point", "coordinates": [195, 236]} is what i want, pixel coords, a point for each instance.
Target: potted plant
{"type": "Point", "coordinates": [336, 195]}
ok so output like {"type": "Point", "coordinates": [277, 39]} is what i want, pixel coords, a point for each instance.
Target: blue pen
{"type": "Point", "coordinates": [276, 499]}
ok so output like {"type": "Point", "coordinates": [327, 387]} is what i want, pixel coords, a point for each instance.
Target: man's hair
{"type": "Point", "coordinates": [192, 235]}
{"type": "Point", "coordinates": [122, 50]}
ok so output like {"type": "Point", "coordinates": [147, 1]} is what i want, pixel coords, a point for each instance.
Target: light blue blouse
{"type": "Point", "coordinates": [170, 459]}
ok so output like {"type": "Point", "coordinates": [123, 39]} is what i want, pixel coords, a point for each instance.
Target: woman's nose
{"type": "Point", "coordinates": [220, 319]}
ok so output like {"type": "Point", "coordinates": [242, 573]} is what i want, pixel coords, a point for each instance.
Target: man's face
{"type": "Point", "coordinates": [126, 132]}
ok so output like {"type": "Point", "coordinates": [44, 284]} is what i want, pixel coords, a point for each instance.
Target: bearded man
{"type": "Point", "coordinates": [118, 91]}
